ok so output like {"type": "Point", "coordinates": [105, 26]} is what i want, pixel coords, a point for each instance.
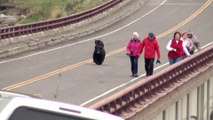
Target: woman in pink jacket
{"type": "Point", "coordinates": [133, 50]}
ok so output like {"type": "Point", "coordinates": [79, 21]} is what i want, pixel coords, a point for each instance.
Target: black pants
{"type": "Point", "coordinates": [149, 66]}
{"type": "Point", "coordinates": [134, 64]}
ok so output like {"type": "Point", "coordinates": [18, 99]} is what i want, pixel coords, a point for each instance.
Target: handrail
{"type": "Point", "coordinates": [150, 89]}
{"type": "Point", "coordinates": [12, 31]}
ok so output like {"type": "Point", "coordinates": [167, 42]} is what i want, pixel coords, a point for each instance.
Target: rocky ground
{"type": "Point", "coordinates": [10, 14]}
{"type": "Point", "coordinates": [13, 12]}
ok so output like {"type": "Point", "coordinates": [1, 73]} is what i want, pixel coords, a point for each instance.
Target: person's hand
{"type": "Point", "coordinates": [199, 49]}
{"type": "Point", "coordinates": [158, 61]}
{"type": "Point", "coordinates": [174, 50]}
{"type": "Point", "coordinates": [139, 54]}
{"type": "Point", "coordinates": [127, 53]}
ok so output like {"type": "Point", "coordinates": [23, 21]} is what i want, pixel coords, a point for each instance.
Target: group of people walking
{"type": "Point", "coordinates": [179, 47]}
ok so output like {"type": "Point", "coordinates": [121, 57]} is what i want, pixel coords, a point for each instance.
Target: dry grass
{"type": "Point", "coordinates": [50, 9]}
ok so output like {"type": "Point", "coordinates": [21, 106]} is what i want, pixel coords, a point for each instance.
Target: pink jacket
{"type": "Point", "coordinates": [134, 48]}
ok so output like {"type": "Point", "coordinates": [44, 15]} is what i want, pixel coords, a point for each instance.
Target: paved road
{"type": "Point", "coordinates": [66, 72]}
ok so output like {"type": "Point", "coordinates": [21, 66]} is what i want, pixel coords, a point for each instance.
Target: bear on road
{"type": "Point", "coordinates": [99, 52]}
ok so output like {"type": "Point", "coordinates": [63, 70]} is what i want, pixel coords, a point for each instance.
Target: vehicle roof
{"type": "Point", "coordinates": [11, 101]}
{"type": "Point", "coordinates": [6, 97]}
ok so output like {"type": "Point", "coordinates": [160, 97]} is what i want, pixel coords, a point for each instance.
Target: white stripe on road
{"type": "Point", "coordinates": [124, 84]}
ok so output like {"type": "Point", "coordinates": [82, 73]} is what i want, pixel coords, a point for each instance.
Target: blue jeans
{"type": "Point", "coordinates": [173, 61]}
{"type": "Point", "coordinates": [134, 64]}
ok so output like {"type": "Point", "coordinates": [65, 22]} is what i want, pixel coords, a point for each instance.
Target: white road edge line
{"type": "Point", "coordinates": [68, 45]}
{"type": "Point", "coordinates": [87, 102]}
{"type": "Point", "coordinates": [124, 84]}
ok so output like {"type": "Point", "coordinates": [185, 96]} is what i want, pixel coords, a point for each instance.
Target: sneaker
{"type": "Point", "coordinates": [135, 75]}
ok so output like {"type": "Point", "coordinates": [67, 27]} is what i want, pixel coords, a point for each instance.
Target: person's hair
{"type": "Point", "coordinates": [190, 35]}
{"type": "Point", "coordinates": [135, 34]}
{"type": "Point", "coordinates": [184, 33]}
{"type": "Point", "coordinates": [177, 32]}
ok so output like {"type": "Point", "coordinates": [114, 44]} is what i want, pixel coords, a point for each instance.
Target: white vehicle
{"type": "Point", "coordinates": [14, 106]}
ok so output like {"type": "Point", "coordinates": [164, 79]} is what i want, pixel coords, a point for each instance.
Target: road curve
{"type": "Point", "coordinates": [66, 72]}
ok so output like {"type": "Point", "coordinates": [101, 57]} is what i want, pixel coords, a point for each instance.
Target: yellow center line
{"type": "Point", "coordinates": [186, 20]}
{"type": "Point", "coordinates": [52, 73]}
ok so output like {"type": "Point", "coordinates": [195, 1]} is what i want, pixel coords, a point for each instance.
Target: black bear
{"type": "Point", "coordinates": [99, 52]}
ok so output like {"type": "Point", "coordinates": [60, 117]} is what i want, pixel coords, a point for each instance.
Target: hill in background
{"type": "Point", "coordinates": [28, 11]}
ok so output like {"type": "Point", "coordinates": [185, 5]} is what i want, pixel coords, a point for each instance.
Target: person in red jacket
{"type": "Point", "coordinates": [176, 49]}
{"type": "Point", "coordinates": [151, 47]}
{"type": "Point", "coordinates": [133, 50]}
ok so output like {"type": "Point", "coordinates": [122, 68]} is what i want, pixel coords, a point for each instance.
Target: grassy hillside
{"type": "Point", "coordinates": [37, 10]}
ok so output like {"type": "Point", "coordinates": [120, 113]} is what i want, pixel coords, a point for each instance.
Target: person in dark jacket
{"type": "Point", "coordinates": [196, 43]}
{"type": "Point", "coordinates": [151, 47]}
{"type": "Point", "coordinates": [133, 50]}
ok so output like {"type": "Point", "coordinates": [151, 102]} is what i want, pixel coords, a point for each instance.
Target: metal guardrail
{"type": "Point", "coordinates": [51, 24]}
{"type": "Point", "coordinates": [145, 92]}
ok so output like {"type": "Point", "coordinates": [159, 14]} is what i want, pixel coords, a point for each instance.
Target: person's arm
{"type": "Point", "coordinates": [142, 46]}
{"type": "Point", "coordinates": [168, 47]}
{"type": "Point", "coordinates": [157, 49]}
{"type": "Point", "coordinates": [185, 50]}
{"type": "Point", "coordinates": [191, 44]}
{"type": "Point", "coordinates": [128, 47]}
{"type": "Point", "coordinates": [196, 42]}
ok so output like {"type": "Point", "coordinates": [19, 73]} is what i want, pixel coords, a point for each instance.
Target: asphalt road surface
{"type": "Point", "coordinates": [66, 72]}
